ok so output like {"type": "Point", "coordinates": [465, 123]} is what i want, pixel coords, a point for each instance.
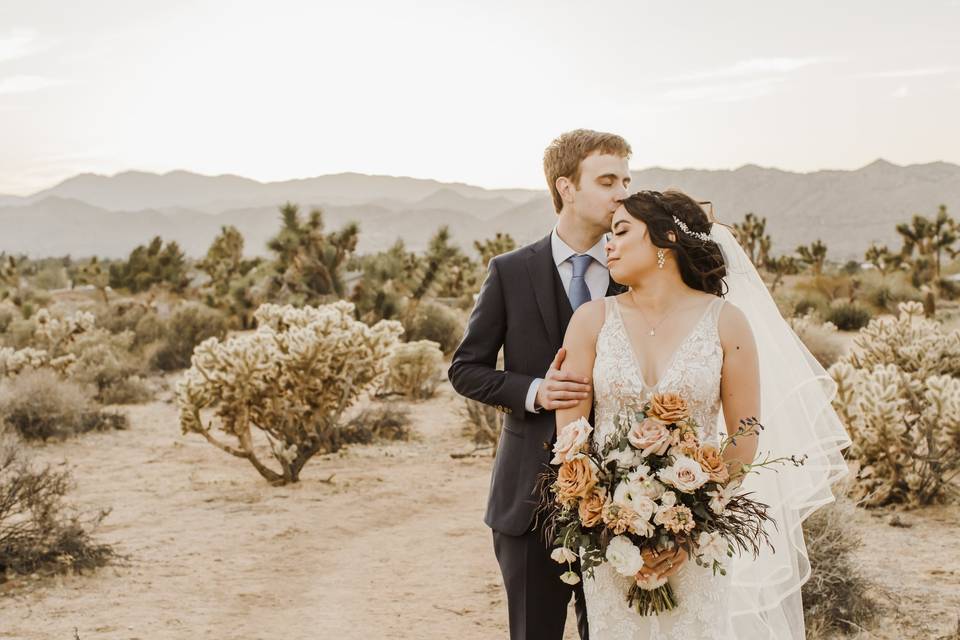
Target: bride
{"type": "Point", "coordinates": [697, 320]}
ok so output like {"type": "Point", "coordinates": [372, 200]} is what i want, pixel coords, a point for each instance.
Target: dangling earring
{"type": "Point", "coordinates": [661, 258]}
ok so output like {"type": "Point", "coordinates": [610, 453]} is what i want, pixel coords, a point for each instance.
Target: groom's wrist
{"type": "Point", "coordinates": [531, 403]}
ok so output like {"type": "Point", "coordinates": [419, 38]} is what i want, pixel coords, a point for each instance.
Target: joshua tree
{"type": "Point", "coordinates": [752, 235]}
{"type": "Point", "coordinates": [883, 259]}
{"type": "Point", "coordinates": [929, 239]}
{"type": "Point", "coordinates": [492, 247]}
{"type": "Point", "coordinates": [814, 254]}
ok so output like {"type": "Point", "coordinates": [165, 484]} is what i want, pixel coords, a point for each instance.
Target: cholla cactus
{"type": "Point", "coordinates": [414, 369]}
{"type": "Point", "coordinates": [292, 379]}
{"type": "Point", "coordinates": [54, 335]}
{"type": "Point", "coordinates": [899, 394]}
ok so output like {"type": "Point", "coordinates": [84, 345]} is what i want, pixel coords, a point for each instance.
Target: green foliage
{"type": "Point", "coordinates": [493, 247]}
{"type": "Point", "coordinates": [813, 255]}
{"type": "Point", "coordinates": [107, 363]}
{"type": "Point", "coordinates": [752, 236]}
{"type": "Point", "coordinates": [781, 266]}
{"type": "Point", "coordinates": [883, 259]}
{"type": "Point", "coordinates": [848, 316]}
{"type": "Point", "coordinates": [151, 265]}
{"type": "Point", "coordinates": [225, 265]}
{"type": "Point", "coordinates": [189, 325]}
{"type": "Point", "coordinates": [389, 278]}
{"type": "Point", "coordinates": [308, 263]}
{"type": "Point", "coordinates": [925, 241]}
{"type": "Point", "coordinates": [434, 321]}
{"type": "Point", "coordinates": [40, 404]}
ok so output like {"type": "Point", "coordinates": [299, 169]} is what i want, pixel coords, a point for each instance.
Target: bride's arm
{"type": "Point", "coordinates": [739, 381]}
{"type": "Point", "coordinates": [580, 342]}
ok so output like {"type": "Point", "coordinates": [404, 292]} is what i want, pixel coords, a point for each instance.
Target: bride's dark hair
{"type": "Point", "coordinates": [699, 259]}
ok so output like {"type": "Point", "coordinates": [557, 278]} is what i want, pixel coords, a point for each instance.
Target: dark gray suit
{"type": "Point", "coordinates": [523, 308]}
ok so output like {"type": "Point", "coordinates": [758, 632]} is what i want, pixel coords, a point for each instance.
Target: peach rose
{"type": "Point", "coordinates": [575, 479]}
{"type": "Point", "coordinates": [591, 508]}
{"type": "Point", "coordinates": [650, 436]}
{"type": "Point", "coordinates": [669, 408]}
{"type": "Point", "coordinates": [711, 462]}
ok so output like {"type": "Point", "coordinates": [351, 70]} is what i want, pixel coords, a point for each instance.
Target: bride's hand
{"type": "Point", "coordinates": [662, 564]}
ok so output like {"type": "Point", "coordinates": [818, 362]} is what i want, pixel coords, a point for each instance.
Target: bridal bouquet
{"type": "Point", "coordinates": [651, 485]}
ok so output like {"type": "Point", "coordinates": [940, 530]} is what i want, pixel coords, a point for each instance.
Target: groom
{"type": "Point", "coordinates": [524, 307]}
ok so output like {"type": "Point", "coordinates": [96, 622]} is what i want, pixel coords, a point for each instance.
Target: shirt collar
{"type": "Point", "coordinates": [562, 251]}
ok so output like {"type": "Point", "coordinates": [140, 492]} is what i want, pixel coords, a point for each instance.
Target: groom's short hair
{"type": "Point", "coordinates": [567, 151]}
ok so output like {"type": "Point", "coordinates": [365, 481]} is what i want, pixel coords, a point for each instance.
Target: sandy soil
{"type": "Point", "coordinates": [393, 546]}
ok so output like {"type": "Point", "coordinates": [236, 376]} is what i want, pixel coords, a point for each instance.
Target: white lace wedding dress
{"type": "Point", "coordinates": [694, 372]}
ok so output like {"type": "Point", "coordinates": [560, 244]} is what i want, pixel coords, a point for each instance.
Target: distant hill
{"type": "Point", "coordinates": [108, 216]}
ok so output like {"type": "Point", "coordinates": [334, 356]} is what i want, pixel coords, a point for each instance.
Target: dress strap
{"type": "Point", "coordinates": [716, 306]}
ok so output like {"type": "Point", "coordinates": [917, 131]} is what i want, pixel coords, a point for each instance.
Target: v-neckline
{"type": "Point", "coordinates": [673, 356]}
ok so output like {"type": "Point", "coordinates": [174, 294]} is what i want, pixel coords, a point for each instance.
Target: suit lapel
{"type": "Point", "coordinates": [542, 270]}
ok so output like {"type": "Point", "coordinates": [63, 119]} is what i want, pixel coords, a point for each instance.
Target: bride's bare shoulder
{"type": "Point", "coordinates": [733, 326]}
{"type": "Point", "coordinates": [587, 320]}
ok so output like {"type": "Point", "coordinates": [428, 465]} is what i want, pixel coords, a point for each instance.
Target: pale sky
{"type": "Point", "coordinates": [469, 91]}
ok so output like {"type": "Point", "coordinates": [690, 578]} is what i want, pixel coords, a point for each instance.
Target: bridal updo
{"type": "Point", "coordinates": [699, 258]}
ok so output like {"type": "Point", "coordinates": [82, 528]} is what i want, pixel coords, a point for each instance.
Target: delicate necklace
{"type": "Point", "coordinates": [653, 327]}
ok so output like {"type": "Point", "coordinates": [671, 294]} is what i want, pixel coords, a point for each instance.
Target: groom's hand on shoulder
{"type": "Point", "coordinates": [560, 389]}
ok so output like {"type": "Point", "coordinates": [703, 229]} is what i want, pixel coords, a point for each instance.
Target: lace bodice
{"type": "Point", "coordinates": [694, 372]}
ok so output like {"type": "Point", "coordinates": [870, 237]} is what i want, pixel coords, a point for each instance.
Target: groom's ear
{"type": "Point", "coordinates": [565, 188]}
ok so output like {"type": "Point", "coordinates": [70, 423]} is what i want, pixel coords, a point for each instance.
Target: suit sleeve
{"type": "Point", "coordinates": [473, 371]}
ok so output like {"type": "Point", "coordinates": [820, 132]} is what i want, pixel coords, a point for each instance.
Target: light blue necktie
{"type": "Point", "coordinates": [579, 292]}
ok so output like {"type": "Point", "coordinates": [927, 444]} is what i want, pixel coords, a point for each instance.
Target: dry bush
{"type": "Point", "coordinates": [386, 421]}
{"type": "Point", "coordinates": [39, 404]}
{"type": "Point", "coordinates": [188, 326]}
{"type": "Point", "coordinates": [291, 380]}
{"type": "Point", "coordinates": [484, 423]}
{"type": "Point", "coordinates": [819, 337]}
{"type": "Point", "coordinates": [8, 313]}
{"type": "Point", "coordinates": [848, 316]}
{"type": "Point", "coordinates": [898, 391]}
{"type": "Point", "coordinates": [437, 322]}
{"type": "Point", "coordinates": [885, 292]}
{"type": "Point", "coordinates": [38, 532]}
{"type": "Point", "coordinates": [413, 370]}
{"type": "Point", "coordinates": [836, 597]}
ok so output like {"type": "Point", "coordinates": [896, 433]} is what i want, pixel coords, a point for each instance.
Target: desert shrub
{"type": "Point", "coordinates": [885, 292]}
{"type": "Point", "coordinates": [8, 313]}
{"type": "Point", "coordinates": [848, 316]}
{"type": "Point", "coordinates": [434, 321]}
{"type": "Point", "coordinates": [413, 370]}
{"type": "Point", "coordinates": [39, 533]}
{"type": "Point", "coordinates": [836, 597]}
{"type": "Point", "coordinates": [189, 325]}
{"type": "Point", "coordinates": [149, 265]}
{"type": "Point", "coordinates": [383, 421]}
{"type": "Point", "coordinates": [106, 362]}
{"type": "Point", "coordinates": [899, 394]}
{"type": "Point", "coordinates": [292, 380]}
{"type": "Point", "coordinates": [483, 423]}
{"type": "Point", "coordinates": [819, 337]}
{"type": "Point", "coordinates": [810, 303]}
{"type": "Point", "coordinates": [150, 329]}
{"type": "Point", "coordinates": [39, 404]}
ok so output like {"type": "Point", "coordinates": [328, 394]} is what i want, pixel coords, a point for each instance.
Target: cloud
{"type": "Point", "coordinates": [753, 67]}
{"type": "Point", "coordinates": [25, 84]}
{"type": "Point", "coordinates": [902, 92]}
{"type": "Point", "coordinates": [908, 73]}
{"type": "Point", "coordinates": [18, 43]}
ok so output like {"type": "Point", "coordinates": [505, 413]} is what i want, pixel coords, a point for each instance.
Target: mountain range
{"type": "Point", "coordinates": [108, 216]}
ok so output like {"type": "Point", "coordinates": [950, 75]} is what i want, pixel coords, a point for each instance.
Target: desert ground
{"type": "Point", "coordinates": [376, 541]}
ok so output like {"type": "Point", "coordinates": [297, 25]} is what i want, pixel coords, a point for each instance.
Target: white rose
{"type": "Point", "coordinates": [562, 555]}
{"type": "Point", "coordinates": [625, 459]}
{"type": "Point", "coordinates": [685, 474]}
{"type": "Point", "coordinates": [570, 441]}
{"type": "Point", "coordinates": [630, 494]}
{"type": "Point", "coordinates": [570, 577]}
{"type": "Point", "coordinates": [712, 546]}
{"type": "Point", "coordinates": [668, 499]}
{"type": "Point", "coordinates": [624, 556]}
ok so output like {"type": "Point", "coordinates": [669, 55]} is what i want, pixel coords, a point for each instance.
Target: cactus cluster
{"type": "Point", "coordinates": [291, 380]}
{"type": "Point", "coordinates": [899, 394]}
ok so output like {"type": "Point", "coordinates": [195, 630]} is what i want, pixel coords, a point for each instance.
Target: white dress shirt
{"type": "Point", "coordinates": [597, 279]}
